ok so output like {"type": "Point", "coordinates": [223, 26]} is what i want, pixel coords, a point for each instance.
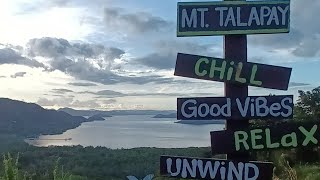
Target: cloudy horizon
{"type": "Point", "coordinates": [108, 54]}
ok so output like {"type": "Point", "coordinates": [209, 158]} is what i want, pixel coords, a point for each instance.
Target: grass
{"type": "Point", "coordinates": [79, 163]}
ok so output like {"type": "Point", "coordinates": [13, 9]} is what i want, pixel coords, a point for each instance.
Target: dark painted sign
{"type": "Point", "coordinates": [194, 168]}
{"type": "Point", "coordinates": [254, 107]}
{"type": "Point", "coordinates": [287, 135]}
{"type": "Point", "coordinates": [233, 17]}
{"type": "Point", "coordinates": [216, 69]}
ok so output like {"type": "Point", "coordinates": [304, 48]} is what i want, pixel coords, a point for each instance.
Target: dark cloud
{"type": "Point", "coordinates": [109, 101]}
{"type": "Point", "coordinates": [57, 95]}
{"type": "Point", "coordinates": [166, 53]}
{"type": "Point", "coordinates": [10, 56]}
{"type": "Point", "coordinates": [48, 47]}
{"type": "Point", "coordinates": [61, 91]}
{"type": "Point", "coordinates": [82, 84]}
{"type": "Point", "coordinates": [171, 94]}
{"type": "Point", "coordinates": [68, 58]}
{"type": "Point", "coordinates": [57, 48]}
{"type": "Point", "coordinates": [105, 93]}
{"type": "Point", "coordinates": [183, 46]}
{"type": "Point", "coordinates": [158, 61]}
{"type": "Point", "coordinates": [151, 79]}
{"type": "Point", "coordinates": [303, 39]}
{"type": "Point", "coordinates": [297, 84]}
{"type": "Point", "coordinates": [139, 23]}
{"type": "Point", "coordinates": [84, 70]}
{"type": "Point", "coordinates": [18, 74]}
{"type": "Point", "coordinates": [115, 94]}
{"type": "Point", "coordinates": [109, 93]}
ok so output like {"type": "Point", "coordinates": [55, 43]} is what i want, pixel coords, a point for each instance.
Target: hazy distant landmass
{"type": "Point", "coordinates": [171, 115]}
{"type": "Point", "coordinates": [113, 112]}
{"type": "Point", "coordinates": [201, 122]}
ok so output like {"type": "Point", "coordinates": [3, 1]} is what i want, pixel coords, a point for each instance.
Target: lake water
{"type": "Point", "coordinates": [133, 131]}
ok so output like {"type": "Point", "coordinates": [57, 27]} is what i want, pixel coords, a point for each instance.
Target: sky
{"type": "Point", "coordinates": [120, 54]}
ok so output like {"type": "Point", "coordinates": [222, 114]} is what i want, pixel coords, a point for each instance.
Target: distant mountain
{"type": "Point", "coordinates": [29, 119]}
{"type": "Point", "coordinates": [201, 122]}
{"type": "Point", "coordinates": [113, 112]}
{"type": "Point", "coordinates": [89, 113]}
{"type": "Point", "coordinates": [171, 115]}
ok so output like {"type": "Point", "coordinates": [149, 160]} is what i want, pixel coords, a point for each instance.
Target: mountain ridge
{"type": "Point", "coordinates": [30, 119]}
{"type": "Point", "coordinates": [91, 112]}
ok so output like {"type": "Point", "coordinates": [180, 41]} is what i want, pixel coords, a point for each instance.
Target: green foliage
{"type": "Point", "coordinates": [60, 174]}
{"type": "Point", "coordinates": [11, 171]}
{"type": "Point", "coordinates": [308, 172]}
{"type": "Point", "coordinates": [101, 163]}
{"type": "Point", "coordinates": [78, 163]}
{"type": "Point", "coordinates": [308, 105]}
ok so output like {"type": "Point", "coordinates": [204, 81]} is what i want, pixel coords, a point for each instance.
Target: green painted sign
{"type": "Point", "coordinates": [218, 169]}
{"type": "Point", "coordinates": [233, 17]}
{"type": "Point", "coordinates": [287, 135]}
{"type": "Point", "coordinates": [224, 70]}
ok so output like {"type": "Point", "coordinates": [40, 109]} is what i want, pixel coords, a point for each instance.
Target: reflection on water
{"type": "Point", "coordinates": [133, 131]}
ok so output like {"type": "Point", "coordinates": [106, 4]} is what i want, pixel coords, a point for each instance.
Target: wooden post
{"type": "Point", "coordinates": [235, 48]}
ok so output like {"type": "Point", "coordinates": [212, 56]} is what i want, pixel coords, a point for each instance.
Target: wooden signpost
{"type": "Point", "coordinates": [233, 17]}
{"type": "Point", "coordinates": [232, 70]}
{"type": "Point", "coordinates": [254, 107]}
{"type": "Point", "coordinates": [194, 168]}
{"type": "Point", "coordinates": [283, 136]}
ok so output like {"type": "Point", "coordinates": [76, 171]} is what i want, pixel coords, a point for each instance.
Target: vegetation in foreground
{"type": "Point", "coordinates": [78, 163]}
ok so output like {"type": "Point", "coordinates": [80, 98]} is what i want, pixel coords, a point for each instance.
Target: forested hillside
{"type": "Point", "coordinates": [29, 119]}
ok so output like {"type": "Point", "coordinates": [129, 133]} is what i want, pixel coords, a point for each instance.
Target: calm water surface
{"type": "Point", "coordinates": [133, 131]}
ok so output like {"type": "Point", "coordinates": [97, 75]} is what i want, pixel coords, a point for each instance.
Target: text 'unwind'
{"type": "Point", "coordinates": [221, 18]}
{"type": "Point", "coordinates": [279, 136]}
{"type": "Point", "coordinates": [223, 70]}
{"type": "Point", "coordinates": [182, 167]}
{"type": "Point", "coordinates": [271, 107]}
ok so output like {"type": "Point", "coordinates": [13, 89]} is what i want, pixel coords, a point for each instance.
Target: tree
{"type": "Point", "coordinates": [308, 109]}
{"type": "Point", "coordinates": [308, 105]}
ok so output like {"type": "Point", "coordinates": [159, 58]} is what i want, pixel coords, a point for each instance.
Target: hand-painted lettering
{"type": "Point", "coordinates": [212, 169]}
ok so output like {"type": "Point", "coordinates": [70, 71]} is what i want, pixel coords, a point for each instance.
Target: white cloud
{"type": "Point", "coordinates": [55, 22]}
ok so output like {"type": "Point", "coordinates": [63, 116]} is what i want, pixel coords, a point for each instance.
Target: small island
{"type": "Point", "coordinates": [172, 115]}
{"type": "Point", "coordinates": [96, 117]}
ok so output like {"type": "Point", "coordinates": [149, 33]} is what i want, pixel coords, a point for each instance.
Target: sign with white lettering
{"type": "Point", "coordinates": [233, 17]}
{"type": "Point", "coordinates": [194, 168]}
{"type": "Point", "coordinates": [286, 135]}
{"type": "Point", "coordinates": [254, 107]}
{"type": "Point", "coordinates": [216, 69]}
